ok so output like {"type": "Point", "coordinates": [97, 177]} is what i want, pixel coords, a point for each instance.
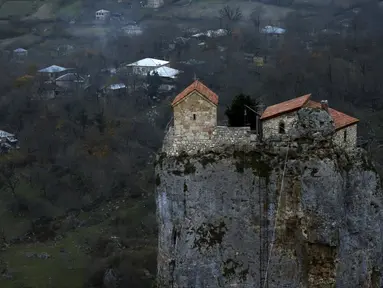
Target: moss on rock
{"type": "Point", "coordinates": [209, 235]}
{"type": "Point", "coordinates": [189, 168]}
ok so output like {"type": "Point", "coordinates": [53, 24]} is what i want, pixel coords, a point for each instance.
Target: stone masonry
{"type": "Point", "coordinates": [195, 127]}
{"type": "Point", "coordinates": [270, 127]}
{"type": "Point", "coordinates": [195, 118]}
{"type": "Point", "coordinates": [346, 137]}
{"type": "Point", "coordinates": [220, 136]}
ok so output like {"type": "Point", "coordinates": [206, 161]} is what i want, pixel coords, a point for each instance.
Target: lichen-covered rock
{"type": "Point", "coordinates": [313, 123]}
{"type": "Point", "coordinates": [217, 212]}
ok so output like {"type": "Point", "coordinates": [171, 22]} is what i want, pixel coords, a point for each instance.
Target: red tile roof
{"type": "Point", "coordinates": [199, 87]}
{"type": "Point", "coordinates": [340, 119]}
{"type": "Point", "coordinates": [285, 107]}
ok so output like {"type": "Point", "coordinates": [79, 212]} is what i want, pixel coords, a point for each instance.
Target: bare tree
{"type": "Point", "coordinates": [255, 17]}
{"type": "Point", "coordinates": [9, 177]}
{"type": "Point", "coordinates": [228, 16]}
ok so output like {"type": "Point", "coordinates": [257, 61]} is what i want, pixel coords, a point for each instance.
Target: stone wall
{"type": "Point", "coordinates": [195, 118]}
{"type": "Point", "coordinates": [347, 141]}
{"type": "Point", "coordinates": [220, 137]}
{"type": "Point", "coordinates": [271, 126]}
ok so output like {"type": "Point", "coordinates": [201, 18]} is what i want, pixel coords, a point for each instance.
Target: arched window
{"type": "Point", "coordinates": [281, 127]}
{"type": "Point", "coordinates": [194, 117]}
{"type": "Point", "coordinates": [345, 135]}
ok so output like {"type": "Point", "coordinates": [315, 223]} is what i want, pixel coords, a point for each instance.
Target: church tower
{"type": "Point", "coordinates": [195, 112]}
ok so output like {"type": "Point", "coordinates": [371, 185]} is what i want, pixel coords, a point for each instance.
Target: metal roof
{"type": "Point", "coordinates": [166, 72]}
{"type": "Point", "coordinates": [53, 69]}
{"type": "Point", "coordinates": [70, 77]}
{"type": "Point", "coordinates": [117, 86]}
{"type": "Point", "coordinates": [149, 62]}
{"type": "Point", "coordinates": [5, 134]}
{"type": "Point", "coordinates": [20, 50]}
{"type": "Point", "coordinates": [273, 30]}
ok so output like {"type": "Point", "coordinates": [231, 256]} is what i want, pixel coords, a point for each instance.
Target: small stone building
{"type": "Point", "coordinates": [195, 124]}
{"type": "Point", "coordinates": [195, 112]}
{"type": "Point", "coordinates": [279, 119]}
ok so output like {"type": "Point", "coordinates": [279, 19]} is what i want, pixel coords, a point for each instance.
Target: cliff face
{"type": "Point", "coordinates": [217, 212]}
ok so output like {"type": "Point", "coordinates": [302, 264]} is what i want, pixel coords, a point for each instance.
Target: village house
{"type": "Point", "coordinates": [20, 53]}
{"type": "Point", "coordinates": [71, 81]}
{"type": "Point", "coordinates": [167, 73]}
{"type": "Point", "coordinates": [8, 141]}
{"type": "Point", "coordinates": [102, 15]}
{"type": "Point", "coordinates": [117, 89]}
{"type": "Point", "coordinates": [53, 71]}
{"type": "Point", "coordinates": [278, 119]}
{"type": "Point", "coordinates": [144, 66]}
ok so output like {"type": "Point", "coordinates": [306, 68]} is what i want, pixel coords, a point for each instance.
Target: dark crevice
{"type": "Point", "coordinates": [172, 266]}
{"type": "Point", "coordinates": [175, 236]}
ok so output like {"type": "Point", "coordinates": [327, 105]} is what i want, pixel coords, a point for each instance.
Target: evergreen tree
{"type": "Point", "coordinates": [154, 83]}
{"type": "Point", "coordinates": [236, 111]}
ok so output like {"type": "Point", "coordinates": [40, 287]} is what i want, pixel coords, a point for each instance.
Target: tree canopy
{"type": "Point", "coordinates": [236, 111]}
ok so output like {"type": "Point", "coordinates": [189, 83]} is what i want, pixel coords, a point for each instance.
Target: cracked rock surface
{"type": "Point", "coordinates": [217, 211]}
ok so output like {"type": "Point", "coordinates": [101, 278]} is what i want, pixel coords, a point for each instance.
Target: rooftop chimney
{"type": "Point", "coordinates": [324, 105]}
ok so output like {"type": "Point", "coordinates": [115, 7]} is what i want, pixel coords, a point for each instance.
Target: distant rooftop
{"type": "Point", "coordinates": [116, 86]}
{"type": "Point", "coordinates": [166, 72]}
{"type": "Point", "coordinates": [53, 69]}
{"type": "Point", "coordinates": [19, 50]}
{"type": "Point", "coordinates": [149, 62]}
{"type": "Point", "coordinates": [273, 30]}
{"type": "Point", "coordinates": [73, 77]}
{"type": "Point", "coordinates": [5, 134]}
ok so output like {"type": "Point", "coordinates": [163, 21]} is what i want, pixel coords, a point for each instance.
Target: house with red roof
{"type": "Point", "coordinates": [278, 119]}
{"type": "Point", "coordinates": [195, 112]}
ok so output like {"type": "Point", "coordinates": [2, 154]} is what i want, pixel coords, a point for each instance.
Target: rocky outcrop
{"type": "Point", "coordinates": [217, 212]}
{"type": "Point", "coordinates": [313, 123]}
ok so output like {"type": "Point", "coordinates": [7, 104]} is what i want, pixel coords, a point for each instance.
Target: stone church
{"type": "Point", "coordinates": [279, 118]}
{"type": "Point", "coordinates": [195, 122]}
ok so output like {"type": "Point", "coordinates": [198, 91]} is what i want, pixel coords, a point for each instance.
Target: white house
{"type": "Point", "coordinates": [53, 71]}
{"type": "Point", "coordinates": [102, 15]}
{"type": "Point", "coordinates": [70, 81]}
{"type": "Point", "coordinates": [166, 72]}
{"type": "Point", "coordinates": [272, 30]}
{"type": "Point", "coordinates": [20, 52]}
{"type": "Point", "coordinates": [144, 66]}
{"type": "Point", "coordinates": [132, 30]}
